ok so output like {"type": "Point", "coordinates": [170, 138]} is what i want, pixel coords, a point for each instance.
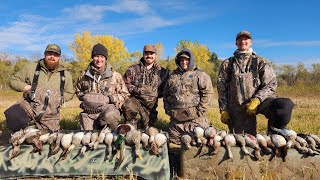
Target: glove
{"type": "Point", "coordinates": [225, 117]}
{"type": "Point", "coordinates": [252, 106]}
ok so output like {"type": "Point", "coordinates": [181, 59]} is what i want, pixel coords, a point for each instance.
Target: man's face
{"type": "Point", "coordinates": [184, 63]}
{"type": "Point", "coordinates": [51, 59]}
{"type": "Point", "coordinates": [99, 61]}
{"type": "Point", "coordinates": [149, 57]}
{"type": "Point", "coordinates": [243, 43]}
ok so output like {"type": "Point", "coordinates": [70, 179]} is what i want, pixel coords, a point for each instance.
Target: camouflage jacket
{"type": "Point", "coordinates": [49, 80]}
{"type": "Point", "coordinates": [146, 85]}
{"type": "Point", "coordinates": [238, 81]}
{"type": "Point", "coordinates": [110, 83]}
{"type": "Point", "coordinates": [187, 93]}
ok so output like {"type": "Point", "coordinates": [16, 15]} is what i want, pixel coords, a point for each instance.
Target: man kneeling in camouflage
{"type": "Point", "coordinates": [186, 96]}
{"type": "Point", "coordinates": [102, 92]}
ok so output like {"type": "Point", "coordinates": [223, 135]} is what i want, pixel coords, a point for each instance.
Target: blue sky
{"type": "Point", "coordinates": [286, 32]}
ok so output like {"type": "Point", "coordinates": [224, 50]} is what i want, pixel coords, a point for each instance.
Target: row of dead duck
{"type": "Point", "coordinates": [151, 140]}
{"type": "Point", "coordinates": [276, 144]}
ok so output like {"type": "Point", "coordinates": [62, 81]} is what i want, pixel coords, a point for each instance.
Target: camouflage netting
{"type": "Point", "coordinates": [244, 167]}
{"type": "Point", "coordinates": [92, 164]}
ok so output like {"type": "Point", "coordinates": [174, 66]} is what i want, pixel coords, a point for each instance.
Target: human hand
{"type": "Point", "coordinates": [225, 117]}
{"type": "Point", "coordinates": [252, 106]}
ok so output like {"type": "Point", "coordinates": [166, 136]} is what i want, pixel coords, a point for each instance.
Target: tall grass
{"type": "Point", "coordinates": [305, 117]}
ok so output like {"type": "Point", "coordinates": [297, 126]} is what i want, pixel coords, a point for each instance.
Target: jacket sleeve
{"type": "Point", "coordinates": [22, 78]}
{"type": "Point", "coordinates": [128, 79]}
{"type": "Point", "coordinates": [268, 81]}
{"type": "Point", "coordinates": [206, 93]}
{"type": "Point", "coordinates": [222, 86]}
{"type": "Point", "coordinates": [164, 75]}
{"type": "Point", "coordinates": [122, 92]}
{"type": "Point", "coordinates": [79, 87]}
{"type": "Point", "coordinates": [69, 88]}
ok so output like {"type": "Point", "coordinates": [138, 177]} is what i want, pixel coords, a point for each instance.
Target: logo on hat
{"type": "Point", "coordinates": [184, 55]}
{"type": "Point", "coordinates": [244, 33]}
{"type": "Point", "coordinates": [53, 48]}
{"type": "Point", "coordinates": [150, 48]}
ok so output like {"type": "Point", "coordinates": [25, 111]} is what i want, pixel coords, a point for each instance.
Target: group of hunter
{"type": "Point", "coordinates": [246, 87]}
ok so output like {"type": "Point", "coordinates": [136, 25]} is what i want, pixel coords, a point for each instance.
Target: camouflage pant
{"type": "Point", "coordinates": [21, 115]}
{"type": "Point", "coordinates": [132, 109]}
{"type": "Point", "coordinates": [276, 110]}
{"type": "Point", "coordinates": [109, 116]}
{"type": "Point", "coordinates": [179, 128]}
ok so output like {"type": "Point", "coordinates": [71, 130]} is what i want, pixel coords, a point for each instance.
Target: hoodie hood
{"type": "Point", "coordinates": [107, 73]}
{"type": "Point", "coordinates": [186, 51]}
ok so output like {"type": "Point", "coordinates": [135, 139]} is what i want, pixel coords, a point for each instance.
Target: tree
{"type": "Point", "coordinates": [160, 51]}
{"type": "Point", "coordinates": [5, 71]}
{"type": "Point", "coordinates": [21, 62]}
{"type": "Point", "coordinates": [118, 56]}
{"type": "Point", "coordinates": [202, 56]}
{"type": "Point", "coordinates": [135, 56]}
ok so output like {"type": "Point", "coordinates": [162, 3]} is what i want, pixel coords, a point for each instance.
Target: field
{"type": "Point", "coordinates": [305, 117]}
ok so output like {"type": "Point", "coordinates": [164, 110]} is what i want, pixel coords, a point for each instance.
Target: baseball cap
{"type": "Point", "coordinates": [184, 54]}
{"type": "Point", "coordinates": [150, 47]}
{"type": "Point", "coordinates": [243, 33]}
{"type": "Point", "coordinates": [53, 48]}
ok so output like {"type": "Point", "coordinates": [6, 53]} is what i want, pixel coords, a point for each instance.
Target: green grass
{"type": "Point", "coordinates": [305, 117]}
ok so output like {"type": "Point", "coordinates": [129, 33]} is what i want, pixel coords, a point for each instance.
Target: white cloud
{"type": "Point", "coordinates": [269, 43]}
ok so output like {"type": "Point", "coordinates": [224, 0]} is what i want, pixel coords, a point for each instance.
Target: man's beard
{"type": "Point", "coordinates": [51, 64]}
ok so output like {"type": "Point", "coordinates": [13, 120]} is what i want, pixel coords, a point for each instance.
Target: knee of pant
{"type": "Point", "coordinates": [284, 103]}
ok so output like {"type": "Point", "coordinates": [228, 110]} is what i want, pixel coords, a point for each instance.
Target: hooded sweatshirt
{"type": "Point", "coordinates": [187, 92]}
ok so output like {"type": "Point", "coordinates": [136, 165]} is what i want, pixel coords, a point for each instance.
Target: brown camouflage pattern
{"type": "Point", "coordinates": [145, 87]}
{"type": "Point", "coordinates": [230, 97]}
{"type": "Point", "coordinates": [187, 95]}
{"type": "Point", "coordinates": [109, 84]}
{"type": "Point", "coordinates": [94, 163]}
{"type": "Point", "coordinates": [51, 116]}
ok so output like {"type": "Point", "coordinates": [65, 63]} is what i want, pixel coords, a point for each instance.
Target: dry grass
{"type": "Point", "coordinates": [305, 117]}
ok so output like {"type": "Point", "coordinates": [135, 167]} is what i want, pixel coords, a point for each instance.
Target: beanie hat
{"type": "Point", "coordinates": [99, 49]}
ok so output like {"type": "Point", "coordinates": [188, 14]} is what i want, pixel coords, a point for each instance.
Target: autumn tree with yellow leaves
{"type": "Point", "coordinates": [118, 55]}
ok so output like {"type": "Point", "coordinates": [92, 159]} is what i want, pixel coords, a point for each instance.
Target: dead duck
{"type": "Point", "coordinates": [263, 144]}
{"type": "Point", "coordinates": [152, 132]}
{"type": "Point", "coordinates": [229, 141]}
{"type": "Point", "coordinates": [66, 141]}
{"type": "Point", "coordinates": [101, 136]}
{"type": "Point", "coordinates": [15, 141]}
{"type": "Point", "coordinates": [289, 134]}
{"type": "Point", "coordinates": [242, 142]}
{"type": "Point", "coordinates": [85, 141]}
{"type": "Point", "coordinates": [133, 137]}
{"type": "Point", "coordinates": [144, 140]}
{"type": "Point", "coordinates": [93, 139]}
{"type": "Point", "coordinates": [217, 144]}
{"type": "Point", "coordinates": [199, 135]}
{"type": "Point", "coordinates": [55, 147]}
{"type": "Point", "coordinates": [280, 144]}
{"type": "Point", "coordinates": [121, 130]}
{"type": "Point", "coordinates": [76, 140]}
{"type": "Point", "coordinates": [209, 133]}
{"type": "Point", "coordinates": [32, 137]}
{"type": "Point", "coordinates": [160, 139]}
{"type": "Point", "coordinates": [252, 142]}
{"type": "Point", "coordinates": [108, 139]}
{"type": "Point", "coordinates": [186, 140]}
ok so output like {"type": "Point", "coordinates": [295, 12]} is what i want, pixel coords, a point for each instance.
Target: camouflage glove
{"type": "Point", "coordinates": [252, 106]}
{"type": "Point", "coordinates": [225, 117]}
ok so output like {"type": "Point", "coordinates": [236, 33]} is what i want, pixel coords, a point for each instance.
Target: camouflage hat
{"type": "Point", "coordinates": [53, 48]}
{"type": "Point", "coordinates": [244, 33]}
{"type": "Point", "coordinates": [150, 48]}
{"type": "Point", "coordinates": [184, 54]}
